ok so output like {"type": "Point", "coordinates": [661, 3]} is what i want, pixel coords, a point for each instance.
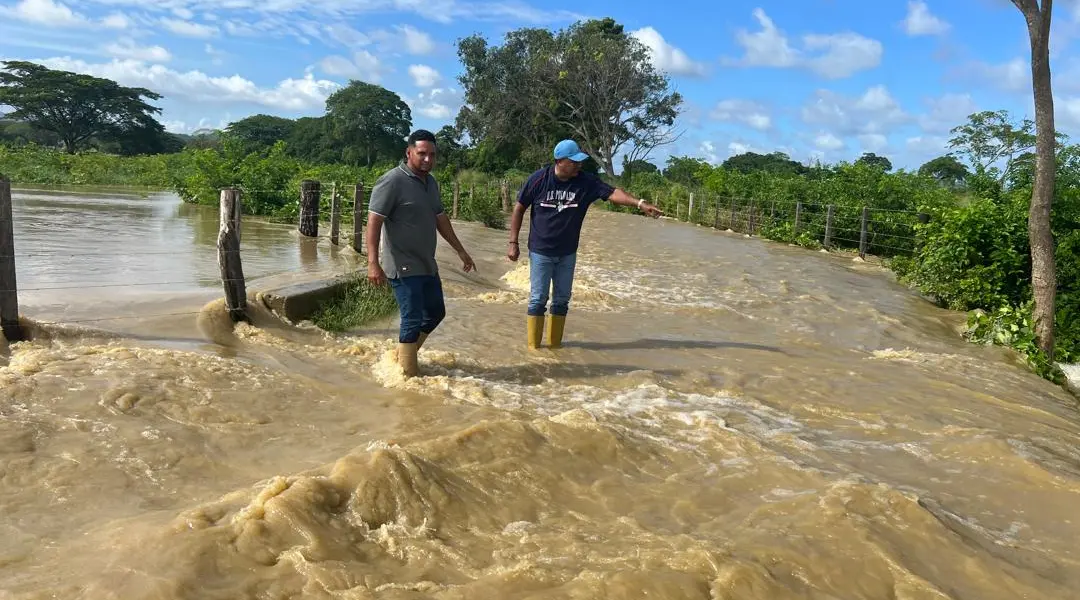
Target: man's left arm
{"type": "Point", "coordinates": [623, 198]}
{"type": "Point", "coordinates": [446, 229]}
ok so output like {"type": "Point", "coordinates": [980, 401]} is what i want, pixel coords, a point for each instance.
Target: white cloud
{"type": "Point", "coordinates": [737, 147]}
{"type": "Point", "coordinates": [708, 152]}
{"type": "Point", "coordinates": [666, 57]}
{"type": "Point", "coordinates": [920, 21]}
{"type": "Point", "coordinates": [347, 36]}
{"type": "Point", "coordinates": [1013, 76]}
{"type": "Point", "coordinates": [832, 56]}
{"type": "Point", "coordinates": [417, 42]}
{"type": "Point", "coordinates": [189, 28]}
{"type": "Point", "coordinates": [438, 103]}
{"type": "Point", "coordinates": [1067, 111]}
{"type": "Point", "coordinates": [177, 126]}
{"type": "Point", "coordinates": [875, 111]}
{"type": "Point", "coordinates": [925, 147]}
{"type": "Point", "coordinates": [768, 47]}
{"type": "Point", "coordinates": [289, 94]}
{"type": "Point", "coordinates": [183, 13]}
{"type": "Point", "coordinates": [126, 48]}
{"type": "Point", "coordinates": [363, 65]}
{"type": "Point", "coordinates": [116, 21]}
{"type": "Point", "coordinates": [424, 76]}
{"type": "Point", "coordinates": [873, 142]}
{"type": "Point", "coordinates": [842, 54]}
{"type": "Point", "coordinates": [828, 141]}
{"type": "Point", "coordinates": [44, 12]}
{"type": "Point", "coordinates": [217, 57]}
{"type": "Point", "coordinates": [747, 112]}
{"type": "Point", "coordinates": [946, 112]}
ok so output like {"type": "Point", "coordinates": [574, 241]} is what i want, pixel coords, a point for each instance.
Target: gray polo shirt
{"type": "Point", "coordinates": [409, 206]}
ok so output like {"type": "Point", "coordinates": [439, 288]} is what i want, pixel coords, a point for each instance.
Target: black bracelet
{"type": "Point", "coordinates": [514, 243]}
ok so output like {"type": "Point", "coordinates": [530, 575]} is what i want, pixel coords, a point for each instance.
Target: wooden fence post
{"type": "Point", "coordinates": [232, 274]}
{"type": "Point", "coordinates": [828, 226]}
{"type": "Point", "coordinates": [772, 214]}
{"type": "Point", "coordinates": [798, 215]}
{"type": "Point", "coordinates": [863, 231]}
{"type": "Point", "coordinates": [750, 220]}
{"type": "Point", "coordinates": [731, 221]}
{"type": "Point", "coordinates": [690, 211]}
{"type": "Point", "coordinates": [457, 198]}
{"type": "Point", "coordinates": [309, 208]}
{"type": "Point", "coordinates": [358, 218]}
{"type": "Point", "coordinates": [505, 195]}
{"type": "Point", "coordinates": [9, 289]}
{"type": "Point", "coordinates": [716, 217]}
{"type": "Point", "coordinates": [335, 216]}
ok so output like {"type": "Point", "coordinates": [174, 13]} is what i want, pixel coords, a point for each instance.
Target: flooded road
{"type": "Point", "coordinates": [90, 253]}
{"type": "Point", "coordinates": [729, 418]}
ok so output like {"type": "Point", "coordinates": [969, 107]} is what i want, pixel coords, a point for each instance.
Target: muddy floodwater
{"type": "Point", "coordinates": [729, 419]}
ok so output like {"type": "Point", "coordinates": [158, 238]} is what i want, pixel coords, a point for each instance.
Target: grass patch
{"type": "Point", "coordinates": [361, 303]}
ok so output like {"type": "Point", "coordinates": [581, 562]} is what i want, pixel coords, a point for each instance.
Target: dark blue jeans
{"type": "Point", "coordinates": [420, 300]}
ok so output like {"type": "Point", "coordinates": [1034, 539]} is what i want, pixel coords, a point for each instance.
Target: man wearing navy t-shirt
{"type": "Point", "coordinates": [558, 196]}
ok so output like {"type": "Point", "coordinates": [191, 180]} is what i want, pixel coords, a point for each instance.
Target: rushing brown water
{"type": "Point", "coordinates": [730, 418]}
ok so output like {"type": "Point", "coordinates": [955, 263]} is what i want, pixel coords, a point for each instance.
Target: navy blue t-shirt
{"type": "Point", "coordinates": [558, 209]}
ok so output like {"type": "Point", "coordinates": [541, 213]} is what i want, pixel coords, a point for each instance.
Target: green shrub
{"type": "Point", "coordinates": [360, 304]}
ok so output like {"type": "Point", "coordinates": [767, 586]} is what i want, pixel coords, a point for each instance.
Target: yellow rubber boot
{"type": "Point", "coordinates": [536, 330]}
{"type": "Point", "coordinates": [407, 359]}
{"type": "Point", "coordinates": [555, 330]}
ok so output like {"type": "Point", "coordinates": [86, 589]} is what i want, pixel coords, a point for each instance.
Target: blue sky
{"type": "Point", "coordinates": [826, 79]}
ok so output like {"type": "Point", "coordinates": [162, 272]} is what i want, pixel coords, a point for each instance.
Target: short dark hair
{"type": "Point", "coordinates": [421, 135]}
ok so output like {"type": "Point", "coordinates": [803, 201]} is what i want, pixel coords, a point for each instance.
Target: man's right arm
{"type": "Point", "coordinates": [380, 207]}
{"type": "Point", "coordinates": [522, 204]}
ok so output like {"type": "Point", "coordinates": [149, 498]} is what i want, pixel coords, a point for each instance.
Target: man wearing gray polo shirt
{"type": "Point", "coordinates": [405, 212]}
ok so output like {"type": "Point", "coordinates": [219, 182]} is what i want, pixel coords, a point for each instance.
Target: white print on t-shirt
{"type": "Point", "coordinates": [559, 200]}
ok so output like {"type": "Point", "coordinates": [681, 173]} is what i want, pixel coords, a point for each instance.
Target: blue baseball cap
{"type": "Point", "coordinates": [569, 149]}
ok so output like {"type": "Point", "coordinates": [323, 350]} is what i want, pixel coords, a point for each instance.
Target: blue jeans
{"type": "Point", "coordinates": [546, 272]}
{"type": "Point", "coordinates": [420, 300]}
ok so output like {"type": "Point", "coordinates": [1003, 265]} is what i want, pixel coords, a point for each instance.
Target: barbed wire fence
{"type": "Point", "coordinates": [865, 229]}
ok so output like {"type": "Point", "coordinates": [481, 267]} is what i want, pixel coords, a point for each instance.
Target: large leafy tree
{"type": "Point", "coordinates": [873, 160]}
{"type": "Point", "coordinates": [368, 122]}
{"type": "Point", "coordinates": [947, 170]}
{"type": "Point", "coordinates": [990, 138]}
{"type": "Point", "coordinates": [74, 106]}
{"type": "Point", "coordinates": [774, 162]}
{"type": "Point", "coordinates": [259, 132]}
{"type": "Point", "coordinates": [591, 81]}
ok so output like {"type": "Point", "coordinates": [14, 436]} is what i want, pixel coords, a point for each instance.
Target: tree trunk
{"type": "Point", "coordinates": [1043, 276]}
{"type": "Point", "coordinates": [608, 167]}
{"type": "Point", "coordinates": [69, 146]}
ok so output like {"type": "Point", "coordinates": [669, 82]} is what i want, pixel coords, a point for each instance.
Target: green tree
{"type": "Point", "coordinates": [686, 170]}
{"type": "Point", "coordinates": [73, 106]}
{"type": "Point", "coordinates": [502, 112]}
{"type": "Point", "coordinates": [873, 160]}
{"type": "Point", "coordinates": [591, 81]}
{"type": "Point", "coordinates": [259, 132]}
{"type": "Point", "coordinates": [991, 137]}
{"type": "Point", "coordinates": [947, 170]}
{"type": "Point", "coordinates": [630, 168]}
{"type": "Point", "coordinates": [368, 122]}
{"type": "Point", "coordinates": [451, 152]}
{"type": "Point", "coordinates": [775, 162]}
